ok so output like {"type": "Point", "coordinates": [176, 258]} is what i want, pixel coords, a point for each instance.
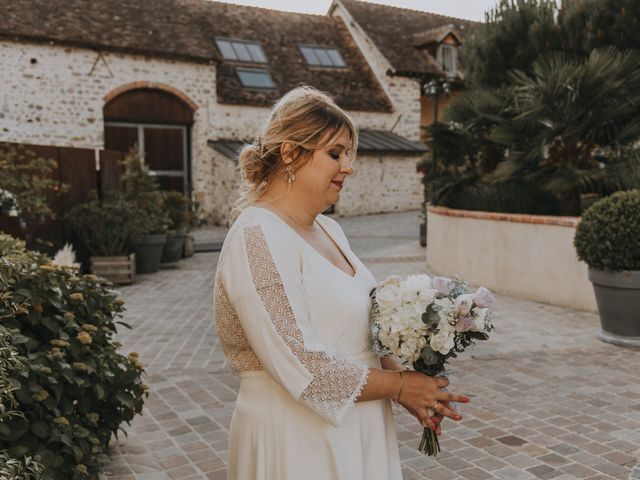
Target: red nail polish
{"type": "Point", "coordinates": [466, 399]}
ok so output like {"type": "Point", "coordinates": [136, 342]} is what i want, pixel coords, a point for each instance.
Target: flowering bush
{"type": "Point", "coordinates": [26, 468]}
{"type": "Point", "coordinates": [75, 389]}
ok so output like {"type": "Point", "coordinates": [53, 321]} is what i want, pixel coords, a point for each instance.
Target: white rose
{"type": "Point", "coordinates": [479, 319]}
{"type": "Point", "coordinates": [388, 297]}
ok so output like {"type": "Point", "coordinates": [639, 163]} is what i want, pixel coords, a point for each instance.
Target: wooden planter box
{"type": "Point", "coordinates": [120, 270]}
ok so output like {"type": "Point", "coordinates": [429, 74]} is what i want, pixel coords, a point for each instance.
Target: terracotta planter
{"type": "Point", "coordinates": [618, 297]}
{"type": "Point", "coordinates": [120, 269]}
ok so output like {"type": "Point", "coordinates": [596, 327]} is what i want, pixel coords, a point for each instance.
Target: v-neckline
{"type": "Point", "coordinates": [346, 257]}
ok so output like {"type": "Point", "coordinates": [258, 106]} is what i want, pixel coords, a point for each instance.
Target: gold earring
{"type": "Point", "coordinates": [289, 176]}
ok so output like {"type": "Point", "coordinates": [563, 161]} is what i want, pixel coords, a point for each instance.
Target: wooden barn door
{"type": "Point", "coordinates": [163, 148]}
{"type": "Point", "coordinates": [158, 123]}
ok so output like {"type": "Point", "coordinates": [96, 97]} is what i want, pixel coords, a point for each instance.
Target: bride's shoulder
{"type": "Point", "coordinates": [254, 221]}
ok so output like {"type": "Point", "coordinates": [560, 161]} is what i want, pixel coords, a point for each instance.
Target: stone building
{"type": "Point", "coordinates": [189, 80]}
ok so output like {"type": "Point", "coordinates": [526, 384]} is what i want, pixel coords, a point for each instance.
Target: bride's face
{"type": "Point", "coordinates": [323, 177]}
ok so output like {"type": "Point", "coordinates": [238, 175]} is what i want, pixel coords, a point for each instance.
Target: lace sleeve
{"type": "Point", "coordinates": [274, 315]}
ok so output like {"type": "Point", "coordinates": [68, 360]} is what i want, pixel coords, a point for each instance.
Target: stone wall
{"type": "Point", "coordinates": [404, 93]}
{"type": "Point", "coordinates": [381, 183]}
{"type": "Point", "coordinates": [54, 95]}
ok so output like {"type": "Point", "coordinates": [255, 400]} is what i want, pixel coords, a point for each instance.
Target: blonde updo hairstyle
{"type": "Point", "coordinates": [305, 117]}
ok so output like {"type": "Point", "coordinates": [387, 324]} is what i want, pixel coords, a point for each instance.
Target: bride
{"type": "Point", "coordinates": [292, 311]}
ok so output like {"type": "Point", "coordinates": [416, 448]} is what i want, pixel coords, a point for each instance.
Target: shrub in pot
{"type": "Point", "coordinates": [106, 228]}
{"type": "Point", "coordinates": [607, 240]}
{"type": "Point", "coordinates": [177, 207]}
{"type": "Point", "coordinates": [76, 389]}
{"type": "Point", "coordinates": [143, 191]}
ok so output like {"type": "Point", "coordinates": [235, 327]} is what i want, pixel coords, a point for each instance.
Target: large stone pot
{"type": "Point", "coordinates": [148, 253]}
{"type": "Point", "coordinates": [618, 298]}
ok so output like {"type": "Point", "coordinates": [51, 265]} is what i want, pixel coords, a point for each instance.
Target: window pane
{"type": "Point", "coordinates": [448, 59]}
{"type": "Point", "coordinates": [323, 57]}
{"type": "Point", "coordinates": [255, 78]}
{"type": "Point", "coordinates": [309, 56]}
{"type": "Point", "coordinates": [335, 57]}
{"type": "Point", "coordinates": [257, 55]}
{"type": "Point", "coordinates": [226, 50]}
{"type": "Point", "coordinates": [241, 51]}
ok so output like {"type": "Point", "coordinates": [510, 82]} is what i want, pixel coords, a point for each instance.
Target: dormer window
{"type": "Point", "coordinates": [256, 78]}
{"type": "Point", "coordinates": [317, 56]}
{"type": "Point", "coordinates": [241, 50]}
{"type": "Point", "coordinates": [448, 59]}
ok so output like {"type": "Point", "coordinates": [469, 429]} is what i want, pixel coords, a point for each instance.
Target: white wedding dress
{"type": "Point", "coordinates": [294, 328]}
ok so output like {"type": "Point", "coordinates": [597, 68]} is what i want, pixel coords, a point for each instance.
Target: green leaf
{"type": "Point", "coordinates": [99, 391]}
{"type": "Point", "coordinates": [51, 325]}
{"type": "Point", "coordinates": [125, 399]}
{"type": "Point", "coordinates": [40, 429]}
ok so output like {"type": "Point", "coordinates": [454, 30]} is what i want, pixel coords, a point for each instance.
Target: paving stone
{"type": "Point", "coordinates": [540, 392]}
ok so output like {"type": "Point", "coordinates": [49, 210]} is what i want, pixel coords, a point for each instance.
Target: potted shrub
{"type": "Point", "coordinates": [177, 207]}
{"type": "Point", "coordinates": [607, 240]}
{"type": "Point", "coordinates": [106, 228]}
{"type": "Point", "coordinates": [143, 192]}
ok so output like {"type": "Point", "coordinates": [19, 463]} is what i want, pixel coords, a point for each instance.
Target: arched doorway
{"type": "Point", "coordinates": [158, 122]}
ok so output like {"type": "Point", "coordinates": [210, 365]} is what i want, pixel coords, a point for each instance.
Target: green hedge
{"type": "Point", "coordinates": [608, 236]}
{"type": "Point", "coordinates": [76, 389]}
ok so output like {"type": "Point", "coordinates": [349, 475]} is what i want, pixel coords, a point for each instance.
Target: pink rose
{"type": "Point", "coordinates": [464, 324]}
{"type": "Point", "coordinates": [483, 298]}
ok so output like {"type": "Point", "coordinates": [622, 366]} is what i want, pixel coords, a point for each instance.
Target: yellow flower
{"type": "Point", "coordinates": [91, 277]}
{"type": "Point", "coordinates": [56, 352]}
{"type": "Point", "coordinates": [79, 366]}
{"type": "Point", "coordinates": [59, 343]}
{"type": "Point", "coordinates": [93, 417]}
{"type": "Point", "coordinates": [77, 297]}
{"type": "Point", "coordinates": [48, 267]}
{"type": "Point", "coordinates": [81, 469]}
{"type": "Point", "coordinates": [61, 421]}
{"type": "Point", "coordinates": [134, 355]}
{"type": "Point", "coordinates": [145, 386]}
{"type": "Point", "coordinates": [84, 338]}
{"type": "Point", "coordinates": [119, 301]}
{"type": "Point", "coordinates": [69, 316]}
{"type": "Point", "coordinates": [38, 308]}
{"type": "Point", "coordinates": [89, 328]}
{"type": "Point", "coordinates": [41, 396]}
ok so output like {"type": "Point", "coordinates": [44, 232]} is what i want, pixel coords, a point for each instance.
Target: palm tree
{"type": "Point", "coordinates": [572, 124]}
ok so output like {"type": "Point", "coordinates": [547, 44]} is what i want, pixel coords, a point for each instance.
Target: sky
{"type": "Point", "coordinates": [469, 9]}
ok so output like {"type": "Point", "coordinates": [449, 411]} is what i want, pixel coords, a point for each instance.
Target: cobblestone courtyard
{"type": "Point", "coordinates": [548, 399]}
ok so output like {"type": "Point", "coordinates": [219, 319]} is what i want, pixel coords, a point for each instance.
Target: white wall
{"type": "Point", "coordinates": [536, 261]}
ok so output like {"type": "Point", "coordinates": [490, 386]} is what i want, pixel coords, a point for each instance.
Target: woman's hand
{"type": "Point", "coordinates": [422, 393]}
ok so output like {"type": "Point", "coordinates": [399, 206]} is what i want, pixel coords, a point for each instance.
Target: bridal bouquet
{"type": "Point", "coordinates": [424, 321]}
